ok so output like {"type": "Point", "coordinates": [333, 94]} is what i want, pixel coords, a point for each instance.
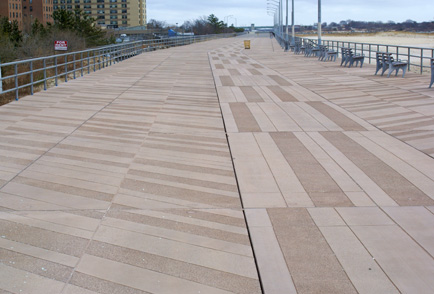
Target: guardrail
{"type": "Point", "coordinates": [25, 76]}
{"type": "Point", "coordinates": [418, 58]}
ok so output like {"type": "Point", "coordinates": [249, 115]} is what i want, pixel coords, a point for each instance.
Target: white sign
{"type": "Point", "coordinates": [61, 45]}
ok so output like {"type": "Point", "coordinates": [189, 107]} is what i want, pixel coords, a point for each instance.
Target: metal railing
{"type": "Point", "coordinates": [25, 76]}
{"type": "Point", "coordinates": [418, 58]}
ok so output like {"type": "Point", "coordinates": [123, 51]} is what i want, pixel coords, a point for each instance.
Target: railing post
{"type": "Point", "coordinates": [73, 59]}
{"type": "Point", "coordinates": [45, 74]}
{"type": "Point", "coordinates": [55, 71]}
{"type": "Point", "coordinates": [1, 81]}
{"type": "Point", "coordinates": [421, 60]}
{"type": "Point", "coordinates": [81, 63]}
{"type": "Point", "coordinates": [31, 77]}
{"type": "Point", "coordinates": [369, 53]}
{"type": "Point", "coordinates": [408, 55]}
{"type": "Point", "coordinates": [16, 81]}
{"type": "Point", "coordinates": [66, 68]}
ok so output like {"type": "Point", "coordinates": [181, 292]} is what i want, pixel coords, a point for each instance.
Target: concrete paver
{"type": "Point", "coordinates": [213, 169]}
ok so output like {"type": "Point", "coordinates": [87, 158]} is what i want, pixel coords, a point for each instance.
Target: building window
{"type": "Point", "coordinates": [87, 6]}
{"type": "Point", "coordinates": [124, 11]}
{"type": "Point", "coordinates": [31, 8]}
{"type": "Point", "coordinates": [101, 17]}
{"type": "Point", "coordinates": [124, 22]}
{"type": "Point", "coordinates": [113, 11]}
{"type": "Point", "coordinates": [69, 6]}
{"type": "Point", "coordinates": [113, 6]}
{"type": "Point", "coordinates": [114, 22]}
{"type": "Point", "coordinates": [100, 6]}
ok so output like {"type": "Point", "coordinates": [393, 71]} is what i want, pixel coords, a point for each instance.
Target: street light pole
{"type": "Point", "coordinates": [292, 24]}
{"type": "Point", "coordinates": [278, 17]}
{"type": "Point", "coordinates": [319, 22]}
{"type": "Point", "coordinates": [286, 37]}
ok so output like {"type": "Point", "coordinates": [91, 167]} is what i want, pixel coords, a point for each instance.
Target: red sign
{"type": "Point", "coordinates": [61, 45]}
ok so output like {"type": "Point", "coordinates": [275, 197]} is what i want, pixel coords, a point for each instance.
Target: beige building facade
{"type": "Point", "coordinates": [109, 13]}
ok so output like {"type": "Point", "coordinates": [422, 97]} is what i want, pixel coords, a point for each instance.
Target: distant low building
{"type": "Point", "coordinates": [26, 11]}
{"type": "Point", "coordinates": [109, 13]}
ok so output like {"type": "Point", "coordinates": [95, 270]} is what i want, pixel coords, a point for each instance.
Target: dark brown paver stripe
{"type": "Point", "coordinates": [181, 193]}
{"type": "Point", "coordinates": [394, 184]}
{"type": "Point", "coordinates": [251, 94]}
{"type": "Point", "coordinates": [227, 81]}
{"type": "Point", "coordinates": [208, 216]}
{"type": "Point", "coordinates": [183, 180]}
{"type": "Point", "coordinates": [35, 265]}
{"type": "Point", "coordinates": [185, 149]}
{"type": "Point", "coordinates": [42, 238]}
{"type": "Point", "coordinates": [185, 167]}
{"type": "Point", "coordinates": [280, 81]}
{"type": "Point", "coordinates": [100, 285]}
{"type": "Point", "coordinates": [234, 72]}
{"type": "Point", "coordinates": [321, 188]}
{"type": "Point", "coordinates": [282, 94]}
{"type": "Point", "coordinates": [312, 264]}
{"type": "Point", "coordinates": [255, 72]}
{"type": "Point", "coordinates": [429, 123]}
{"type": "Point", "coordinates": [191, 272]}
{"type": "Point", "coordinates": [64, 189]}
{"type": "Point", "coordinates": [340, 119]}
{"type": "Point", "coordinates": [179, 226]}
{"type": "Point", "coordinates": [244, 118]}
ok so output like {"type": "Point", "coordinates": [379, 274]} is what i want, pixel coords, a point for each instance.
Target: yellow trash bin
{"type": "Point", "coordinates": [246, 44]}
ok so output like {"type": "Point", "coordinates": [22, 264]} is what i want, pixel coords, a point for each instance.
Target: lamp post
{"type": "Point", "coordinates": [227, 19]}
{"type": "Point", "coordinates": [278, 6]}
{"type": "Point", "coordinates": [292, 25]}
{"type": "Point", "coordinates": [286, 33]}
{"type": "Point", "coordinates": [319, 22]}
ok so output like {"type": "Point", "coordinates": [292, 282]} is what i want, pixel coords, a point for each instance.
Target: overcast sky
{"type": "Point", "coordinates": [245, 12]}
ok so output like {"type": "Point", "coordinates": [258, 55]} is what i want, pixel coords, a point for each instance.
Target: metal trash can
{"type": "Point", "coordinates": [246, 44]}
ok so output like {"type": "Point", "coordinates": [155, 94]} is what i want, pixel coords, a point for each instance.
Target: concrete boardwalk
{"type": "Point", "coordinates": [211, 169]}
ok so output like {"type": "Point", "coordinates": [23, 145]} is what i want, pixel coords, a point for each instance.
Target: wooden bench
{"type": "Point", "coordinates": [299, 47]}
{"type": "Point", "coordinates": [326, 54]}
{"type": "Point", "coordinates": [432, 72]}
{"type": "Point", "coordinates": [349, 57]}
{"type": "Point", "coordinates": [393, 65]}
{"type": "Point", "coordinates": [380, 63]}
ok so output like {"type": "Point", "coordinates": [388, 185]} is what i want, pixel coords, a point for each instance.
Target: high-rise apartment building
{"type": "Point", "coordinates": [26, 11]}
{"type": "Point", "coordinates": [109, 13]}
